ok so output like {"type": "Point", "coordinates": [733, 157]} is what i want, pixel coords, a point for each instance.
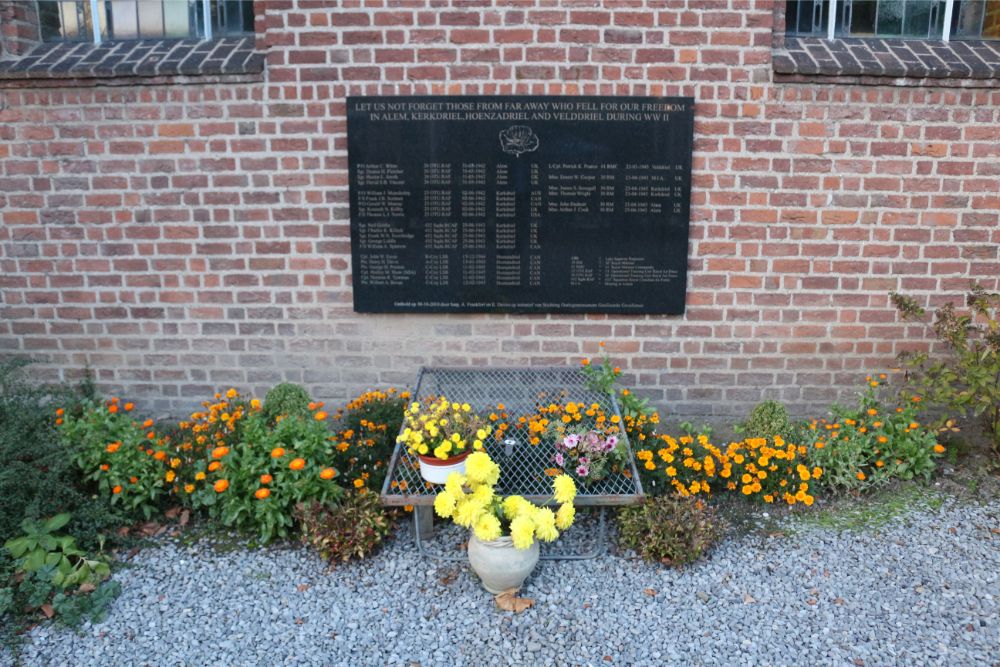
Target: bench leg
{"type": "Point", "coordinates": [423, 524]}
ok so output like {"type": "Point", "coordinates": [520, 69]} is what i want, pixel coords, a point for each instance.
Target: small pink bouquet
{"type": "Point", "coordinates": [588, 456]}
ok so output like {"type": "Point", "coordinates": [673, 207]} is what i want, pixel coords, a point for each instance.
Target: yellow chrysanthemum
{"type": "Point", "coordinates": [565, 516]}
{"type": "Point", "coordinates": [483, 494]}
{"type": "Point", "coordinates": [487, 527]}
{"type": "Point", "coordinates": [466, 512]}
{"type": "Point", "coordinates": [444, 504]}
{"type": "Point", "coordinates": [514, 506]}
{"type": "Point", "coordinates": [545, 525]}
{"type": "Point", "coordinates": [481, 469]}
{"type": "Point", "coordinates": [564, 489]}
{"type": "Point", "coordinates": [522, 532]}
{"type": "Point", "coordinates": [454, 484]}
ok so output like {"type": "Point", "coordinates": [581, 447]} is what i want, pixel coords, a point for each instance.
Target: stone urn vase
{"type": "Point", "coordinates": [499, 565]}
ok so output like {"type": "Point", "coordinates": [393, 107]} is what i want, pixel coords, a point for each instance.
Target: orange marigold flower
{"type": "Point", "coordinates": [59, 421]}
{"type": "Point", "coordinates": [113, 447]}
{"type": "Point", "coordinates": [160, 455]}
{"type": "Point", "coordinates": [112, 408]}
{"type": "Point", "coordinates": [221, 485]}
{"type": "Point", "coordinates": [219, 452]}
{"type": "Point", "coordinates": [266, 479]}
{"type": "Point", "coordinates": [358, 483]}
{"type": "Point", "coordinates": [319, 416]}
{"type": "Point", "coordinates": [231, 393]}
{"type": "Point", "coordinates": [105, 467]}
{"type": "Point", "coordinates": [939, 448]}
{"type": "Point", "coordinates": [213, 466]}
{"type": "Point", "coordinates": [312, 405]}
{"type": "Point", "coordinates": [327, 473]}
{"type": "Point", "coordinates": [128, 407]}
{"type": "Point", "coordinates": [882, 439]}
{"type": "Point", "coordinates": [297, 464]}
{"type": "Point", "coordinates": [861, 476]}
{"type": "Point", "coordinates": [60, 412]}
{"type": "Point", "coordinates": [147, 423]}
{"type": "Point", "coordinates": [277, 452]}
{"type": "Point", "coordinates": [260, 494]}
{"type": "Point", "coordinates": [116, 490]}
{"type": "Point", "coordinates": [585, 362]}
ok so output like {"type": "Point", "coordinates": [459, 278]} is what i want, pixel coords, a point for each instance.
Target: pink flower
{"type": "Point", "coordinates": [559, 459]}
{"type": "Point", "coordinates": [582, 471]}
{"type": "Point", "coordinates": [612, 441]}
{"type": "Point", "coordinates": [584, 460]}
{"type": "Point", "coordinates": [571, 441]}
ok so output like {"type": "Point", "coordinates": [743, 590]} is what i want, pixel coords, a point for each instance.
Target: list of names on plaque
{"type": "Point", "coordinates": [520, 204]}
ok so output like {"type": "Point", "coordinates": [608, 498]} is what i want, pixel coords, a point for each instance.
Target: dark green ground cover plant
{"type": "Point", "coordinates": [355, 528]}
{"type": "Point", "coordinates": [965, 380]}
{"type": "Point", "coordinates": [669, 529]}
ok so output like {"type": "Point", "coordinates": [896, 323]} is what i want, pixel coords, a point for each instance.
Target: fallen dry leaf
{"type": "Point", "coordinates": [859, 662]}
{"type": "Point", "coordinates": [47, 610]}
{"type": "Point", "coordinates": [838, 601]}
{"type": "Point", "coordinates": [607, 658]}
{"type": "Point", "coordinates": [299, 621]}
{"type": "Point", "coordinates": [995, 531]}
{"type": "Point", "coordinates": [508, 601]}
{"type": "Point", "coordinates": [172, 512]}
{"type": "Point", "coordinates": [87, 587]}
{"type": "Point", "coordinates": [586, 605]}
{"type": "Point", "coordinates": [185, 517]}
{"type": "Point", "coordinates": [123, 531]}
{"type": "Point", "coordinates": [748, 599]}
{"type": "Point", "coordinates": [449, 577]}
{"type": "Point", "coordinates": [812, 601]}
{"type": "Point", "coordinates": [953, 530]}
{"type": "Point", "coordinates": [302, 588]}
{"type": "Point", "coordinates": [150, 528]}
{"type": "Point", "coordinates": [650, 592]}
{"type": "Point", "coordinates": [776, 533]}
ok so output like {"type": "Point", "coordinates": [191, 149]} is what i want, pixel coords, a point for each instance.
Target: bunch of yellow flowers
{"type": "Point", "coordinates": [471, 502]}
{"type": "Point", "coordinates": [442, 428]}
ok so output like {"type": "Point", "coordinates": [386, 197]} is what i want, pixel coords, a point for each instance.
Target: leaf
{"type": "Point", "coordinates": [508, 601]}
{"type": "Point", "coordinates": [47, 610]}
{"type": "Point", "coordinates": [302, 588]}
{"type": "Point", "coordinates": [87, 587]}
{"type": "Point", "coordinates": [57, 522]}
{"type": "Point", "coordinates": [748, 599]}
{"type": "Point", "coordinates": [650, 592]}
{"type": "Point", "coordinates": [185, 517]}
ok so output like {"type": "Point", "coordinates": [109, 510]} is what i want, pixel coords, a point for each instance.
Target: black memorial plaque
{"type": "Point", "coordinates": [520, 204]}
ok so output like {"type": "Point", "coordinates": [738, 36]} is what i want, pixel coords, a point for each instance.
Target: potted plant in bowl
{"type": "Point", "coordinates": [503, 547]}
{"type": "Point", "coordinates": [442, 433]}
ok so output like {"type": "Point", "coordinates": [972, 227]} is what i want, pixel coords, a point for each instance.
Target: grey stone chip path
{"type": "Point", "coordinates": [924, 590]}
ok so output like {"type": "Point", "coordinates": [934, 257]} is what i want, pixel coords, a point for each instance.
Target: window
{"type": "Point", "coordinates": [73, 20]}
{"type": "Point", "coordinates": [911, 19]}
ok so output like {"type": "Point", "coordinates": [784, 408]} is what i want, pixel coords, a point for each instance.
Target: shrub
{"type": "Point", "coordinates": [967, 380]}
{"type": "Point", "coordinates": [671, 530]}
{"type": "Point", "coordinates": [256, 484]}
{"type": "Point", "coordinates": [353, 529]}
{"type": "Point", "coordinates": [366, 435]}
{"type": "Point", "coordinates": [766, 420]}
{"type": "Point", "coordinates": [38, 474]}
{"type": "Point", "coordinates": [869, 445]}
{"type": "Point", "coordinates": [286, 399]}
{"type": "Point", "coordinates": [129, 463]}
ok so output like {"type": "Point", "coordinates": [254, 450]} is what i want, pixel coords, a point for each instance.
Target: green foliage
{"type": "Point", "coordinates": [669, 529]}
{"type": "Point", "coordinates": [256, 484]}
{"type": "Point", "coordinates": [38, 475]}
{"type": "Point", "coordinates": [603, 377]}
{"type": "Point", "coordinates": [43, 548]}
{"type": "Point", "coordinates": [967, 380]}
{"type": "Point", "coordinates": [50, 573]}
{"type": "Point", "coordinates": [115, 451]}
{"type": "Point", "coordinates": [366, 436]}
{"type": "Point", "coordinates": [867, 446]}
{"type": "Point", "coordinates": [766, 420]}
{"type": "Point", "coordinates": [286, 399]}
{"type": "Point", "coordinates": [353, 529]}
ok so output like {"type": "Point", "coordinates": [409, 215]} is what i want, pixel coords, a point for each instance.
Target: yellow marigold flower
{"type": "Point", "coordinates": [232, 393]}
{"type": "Point", "coordinates": [170, 476]}
{"type": "Point", "coordinates": [649, 465]}
{"type": "Point", "coordinates": [358, 483]}
{"type": "Point", "coordinates": [671, 471]}
{"type": "Point", "coordinates": [255, 403]}
{"type": "Point", "coordinates": [564, 490]}
{"type": "Point", "coordinates": [565, 516]}
{"type": "Point", "coordinates": [522, 532]}
{"type": "Point", "coordinates": [487, 528]}
{"type": "Point", "coordinates": [198, 476]}
{"type": "Point", "coordinates": [189, 488]}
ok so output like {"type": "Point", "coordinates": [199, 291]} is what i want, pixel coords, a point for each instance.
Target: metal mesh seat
{"type": "Point", "coordinates": [521, 391]}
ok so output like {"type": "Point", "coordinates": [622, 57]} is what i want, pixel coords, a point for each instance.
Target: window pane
{"type": "Point", "coordinates": [802, 17]}
{"type": "Point", "coordinates": [919, 19]}
{"type": "Point", "coordinates": [150, 18]}
{"type": "Point", "coordinates": [124, 20]}
{"type": "Point", "coordinates": [976, 19]}
{"type": "Point", "coordinates": [64, 20]}
{"type": "Point", "coordinates": [860, 17]}
{"type": "Point", "coordinates": [231, 17]}
{"type": "Point", "coordinates": [176, 18]}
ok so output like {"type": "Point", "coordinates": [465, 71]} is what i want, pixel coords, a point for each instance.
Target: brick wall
{"type": "Point", "coordinates": [181, 238]}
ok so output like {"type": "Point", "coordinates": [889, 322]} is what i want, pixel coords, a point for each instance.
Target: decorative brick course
{"type": "Point", "coordinates": [896, 58]}
{"type": "Point", "coordinates": [178, 239]}
{"type": "Point", "coordinates": [144, 58]}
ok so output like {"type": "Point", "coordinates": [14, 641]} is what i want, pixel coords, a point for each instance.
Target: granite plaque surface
{"type": "Point", "coordinates": [522, 204]}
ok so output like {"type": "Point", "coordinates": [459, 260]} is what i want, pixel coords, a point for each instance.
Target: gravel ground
{"type": "Point", "coordinates": [924, 590]}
